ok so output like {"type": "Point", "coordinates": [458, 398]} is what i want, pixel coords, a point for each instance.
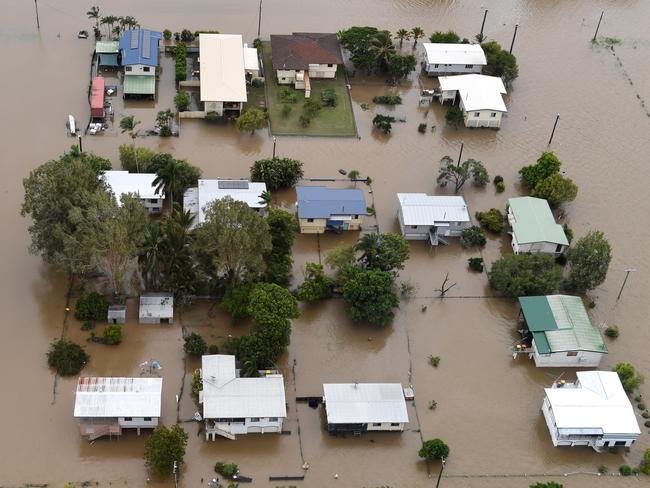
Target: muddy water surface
{"type": "Point", "coordinates": [488, 404]}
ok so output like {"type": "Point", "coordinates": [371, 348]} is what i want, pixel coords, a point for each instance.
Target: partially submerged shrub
{"type": "Point", "coordinates": [66, 357]}
{"type": "Point", "coordinates": [195, 345]}
{"type": "Point", "coordinates": [422, 128]}
{"type": "Point", "coordinates": [625, 470]}
{"type": "Point", "coordinates": [434, 360]}
{"type": "Point", "coordinates": [226, 469]}
{"type": "Point", "coordinates": [630, 379]}
{"type": "Point", "coordinates": [475, 264]}
{"type": "Point", "coordinates": [472, 236]}
{"type": "Point", "coordinates": [492, 220]}
{"type": "Point", "coordinates": [197, 383]}
{"type": "Point", "coordinates": [387, 99]}
{"type": "Point", "coordinates": [112, 334]}
{"type": "Point", "coordinates": [612, 331]}
{"type": "Point", "coordinates": [92, 306]}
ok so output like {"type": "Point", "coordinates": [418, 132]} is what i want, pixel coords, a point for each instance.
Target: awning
{"type": "Point", "coordinates": [139, 85]}
{"type": "Point", "coordinates": [107, 59]}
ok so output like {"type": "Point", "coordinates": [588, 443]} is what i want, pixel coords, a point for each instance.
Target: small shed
{"type": "Point", "coordinates": [560, 333]}
{"type": "Point", "coordinates": [116, 314]}
{"type": "Point", "coordinates": [97, 98]}
{"type": "Point", "coordinates": [156, 308]}
{"type": "Point", "coordinates": [360, 407]}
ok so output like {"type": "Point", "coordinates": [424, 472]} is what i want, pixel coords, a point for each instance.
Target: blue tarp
{"type": "Point", "coordinates": [318, 202]}
{"type": "Point", "coordinates": [140, 46]}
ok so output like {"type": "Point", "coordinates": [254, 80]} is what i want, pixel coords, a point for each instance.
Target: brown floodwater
{"type": "Point", "coordinates": [488, 404]}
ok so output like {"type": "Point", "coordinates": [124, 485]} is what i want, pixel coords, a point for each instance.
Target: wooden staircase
{"type": "Point", "coordinates": [102, 430]}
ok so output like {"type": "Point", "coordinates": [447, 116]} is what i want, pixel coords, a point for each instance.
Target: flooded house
{"type": "Point", "coordinates": [433, 218]}
{"type": "Point", "coordinates": [480, 98]}
{"type": "Point", "coordinates": [336, 209]}
{"type": "Point", "coordinates": [107, 54]}
{"type": "Point", "coordinates": [139, 52]}
{"type": "Point", "coordinates": [440, 59]}
{"type": "Point", "coordinates": [116, 314]}
{"type": "Point", "coordinates": [361, 407]}
{"type": "Point", "coordinates": [196, 199]}
{"type": "Point", "coordinates": [302, 56]}
{"type": "Point", "coordinates": [593, 411]}
{"type": "Point", "coordinates": [559, 332]}
{"type": "Point", "coordinates": [233, 405]}
{"type": "Point", "coordinates": [105, 406]}
{"type": "Point", "coordinates": [156, 308]}
{"type": "Point", "coordinates": [222, 74]}
{"type": "Point", "coordinates": [139, 184]}
{"type": "Point", "coordinates": [534, 229]}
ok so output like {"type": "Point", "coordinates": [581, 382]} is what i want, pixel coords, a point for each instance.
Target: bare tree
{"type": "Point", "coordinates": [444, 288]}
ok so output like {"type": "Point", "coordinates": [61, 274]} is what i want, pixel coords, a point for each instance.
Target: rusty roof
{"type": "Point", "coordinates": [300, 49]}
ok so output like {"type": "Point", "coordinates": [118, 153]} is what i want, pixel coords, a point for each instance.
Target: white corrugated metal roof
{"type": "Point", "coordinates": [141, 184]}
{"type": "Point", "coordinates": [209, 191]}
{"type": "Point", "coordinates": [422, 209]}
{"type": "Point", "coordinates": [440, 53]}
{"type": "Point", "coordinates": [156, 305]}
{"type": "Point", "coordinates": [478, 92]}
{"type": "Point", "coordinates": [227, 396]}
{"type": "Point", "coordinates": [251, 60]}
{"type": "Point", "coordinates": [222, 68]}
{"type": "Point", "coordinates": [353, 403]}
{"type": "Point", "coordinates": [118, 397]}
{"type": "Point", "coordinates": [599, 402]}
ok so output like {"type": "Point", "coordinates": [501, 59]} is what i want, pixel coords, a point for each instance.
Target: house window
{"type": "Point", "coordinates": [436, 65]}
{"type": "Point", "coordinates": [128, 419]}
{"type": "Point", "coordinates": [469, 66]}
{"type": "Point", "coordinates": [147, 419]}
{"type": "Point", "coordinates": [330, 65]}
{"type": "Point", "coordinates": [572, 353]}
{"type": "Point", "coordinates": [414, 227]}
{"type": "Point", "coordinates": [254, 419]}
{"type": "Point", "coordinates": [356, 216]}
{"type": "Point", "coordinates": [619, 443]}
{"type": "Point", "coordinates": [273, 419]}
{"type": "Point", "coordinates": [394, 424]}
{"type": "Point", "coordinates": [377, 424]}
{"type": "Point", "coordinates": [146, 69]}
{"type": "Point", "coordinates": [493, 114]}
{"type": "Point", "coordinates": [310, 220]}
{"type": "Point", "coordinates": [477, 114]}
{"type": "Point", "coordinates": [153, 200]}
{"type": "Point", "coordinates": [155, 209]}
{"type": "Point", "coordinates": [283, 79]}
{"type": "Point", "coordinates": [128, 68]}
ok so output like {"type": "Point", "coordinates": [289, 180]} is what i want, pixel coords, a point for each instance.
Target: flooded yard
{"type": "Point", "coordinates": [488, 405]}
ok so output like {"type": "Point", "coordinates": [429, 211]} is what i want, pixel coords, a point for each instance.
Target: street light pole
{"type": "Point", "coordinates": [274, 141]}
{"type": "Point", "coordinates": [259, 20]}
{"type": "Point", "coordinates": [627, 273]}
{"type": "Point", "coordinates": [553, 131]}
{"type": "Point", "coordinates": [38, 24]}
{"type": "Point", "coordinates": [514, 36]}
{"type": "Point", "coordinates": [440, 473]}
{"type": "Point", "coordinates": [483, 24]}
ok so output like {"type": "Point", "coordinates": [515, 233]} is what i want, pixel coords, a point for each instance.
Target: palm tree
{"type": "Point", "coordinates": [109, 21]}
{"type": "Point", "coordinates": [265, 197]}
{"type": "Point", "coordinates": [150, 255]}
{"type": "Point", "coordinates": [368, 245]}
{"type": "Point", "coordinates": [117, 30]}
{"type": "Point", "coordinates": [129, 22]}
{"type": "Point", "coordinates": [183, 219]}
{"type": "Point", "coordinates": [416, 32]}
{"type": "Point", "coordinates": [128, 124]}
{"type": "Point", "coordinates": [354, 176]}
{"type": "Point", "coordinates": [168, 178]}
{"type": "Point", "coordinates": [93, 14]}
{"type": "Point", "coordinates": [381, 46]}
{"type": "Point", "coordinates": [402, 35]}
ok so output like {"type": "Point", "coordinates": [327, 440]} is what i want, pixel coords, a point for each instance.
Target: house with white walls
{"type": "Point", "coordinates": [440, 59]}
{"type": "Point", "coordinates": [480, 98]}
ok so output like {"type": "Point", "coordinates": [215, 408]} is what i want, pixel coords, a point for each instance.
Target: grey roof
{"type": "Point", "coordinates": [301, 49]}
{"type": "Point", "coordinates": [422, 209]}
{"type": "Point", "coordinates": [319, 202]}
{"type": "Point", "coordinates": [118, 397]}
{"type": "Point", "coordinates": [361, 403]}
{"type": "Point", "coordinates": [225, 395]}
{"type": "Point", "coordinates": [156, 305]}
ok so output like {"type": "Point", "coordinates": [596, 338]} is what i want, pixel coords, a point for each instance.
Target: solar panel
{"type": "Point", "coordinates": [146, 44]}
{"type": "Point", "coordinates": [134, 39]}
{"type": "Point", "coordinates": [232, 184]}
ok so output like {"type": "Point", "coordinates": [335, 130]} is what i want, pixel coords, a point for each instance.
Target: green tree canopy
{"type": "Point", "coordinates": [268, 302]}
{"type": "Point", "coordinates": [357, 40]}
{"type": "Point", "coordinates": [251, 120]}
{"type": "Point", "coordinates": [547, 164]}
{"type": "Point", "coordinates": [399, 66]}
{"type": "Point", "coordinates": [434, 449]}
{"type": "Point", "coordinates": [173, 176]}
{"type": "Point", "coordinates": [449, 37]}
{"type": "Point", "coordinates": [589, 259]}
{"type": "Point", "coordinates": [500, 62]}
{"type": "Point", "coordinates": [370, 296]}
{"type": "Point", "coordinates": [66, 357]}
{"type": "Point", "coordinates": [194, 345]}
{"type": "Point", "coordinates": [454, 116]}
{"type": "Point", "coordinates": [163, 447]}
{"type": "Point", "coordinates": [458, 174]}
{"type": "Point", "coordinates": [58, 197]}
{"type": "Point", "coordinates": [516, 275]}
{"type": "Point", "coordinates": [279, 262]}
{"type": "Point", "coordinates": [233, 240]}
{"type": "Point", "coordinates": [277, 173]}
{"type": "Point", "coordinates": [340, 258]}
{"type": "Point", "coordinates": [236, 300]}
{"type": "Point", "coordinates": [385, 252]}
{"type": "Point", "coordinates": [556, 189]}
{"type": "Point", "coordinates": [317, 285]}
{"type": "Point", "coordinates": [92, 306]}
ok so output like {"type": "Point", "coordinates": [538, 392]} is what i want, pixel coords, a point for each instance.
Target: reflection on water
{"type": "Point", "coordinates": [485, 398]}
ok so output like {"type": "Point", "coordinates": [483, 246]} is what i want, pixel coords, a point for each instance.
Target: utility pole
{"type": "Point", "coordinates": [274, 141]}
{"type": "Point", "coordinates": [598, 26]}
{"type": "Point", "coordinates": [175, 474]}
{"type": "Point", "coordinates": [627, 273]}
{"type": "Point", "coordinates": [557, 117]}
{"type": "Point", "coordinates": [81, 148]}
{"type": "Point", "coordinates": [483, 24]}
{"type": "Point", "coordinates": [440, 473]}
{"type": "Point", "coordinates": [460, 153]}
{"type": "Point", "coordinates": [38, 24]}
{"type": "Point", "coordinates": [259, 20]}
{"type": "Point", "coordinates": [514, 36]}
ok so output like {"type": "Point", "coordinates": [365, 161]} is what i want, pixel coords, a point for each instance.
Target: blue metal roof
{"type": "Point", "coordinates": [318, 202]}
{"type": "Point", "coordinates": [140, 46]}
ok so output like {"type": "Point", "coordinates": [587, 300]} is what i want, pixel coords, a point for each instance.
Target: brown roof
{"type": "Point", "coordinates": [300, 49]}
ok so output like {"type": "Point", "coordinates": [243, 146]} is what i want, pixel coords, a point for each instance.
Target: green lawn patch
{"type": "Point", "coordinates": [329, 121]}
{"type": "Point", "coordinates": [255, 96]}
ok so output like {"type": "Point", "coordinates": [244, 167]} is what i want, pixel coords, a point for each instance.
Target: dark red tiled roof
{"type": "Point", "coordinates": [300, 49]}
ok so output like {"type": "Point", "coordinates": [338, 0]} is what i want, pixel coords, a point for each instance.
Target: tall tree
{"type": "Point", "coordinates": [178, 268]}
{"type": "Point", "coordinates": [440, 37]}
{"type": "Point", "coordinates": [589, 259]}
{"type": "Point", "coordinates": [458, 174]}
{"type": "Point", "coordinates": [517, 275]}
{"type": "Point", "coordinates": [370, 296]}
{"type": "Point", "coordinates": [251, 120]}
{"type": "Point", "coordinates": [385, 252]}
{"type": "Point", "coordinates": [402, 35]}
{"type": "Point", "coordinates": [556, 189]}
{"type": "Point", "coordinates": [417, 33]}
{"type": "Point", "coordinates": [164, 447]}
{"type": "Point", "coordinates": [382, 48]}
{"type": "Point", "coordinates": [128, 124]}
{"type": "Point", "coordinates": [283, 227]}
{"type": "Point", "coordinates": [233, 240]}
{"type": "Point", "coordinates": [357, 41]}
{"type": "Point", "coordinates": [150, 257]}
{"type": "Point", "coordinates": [500, 63]}
{"type": "Point", "coordinates": [93, 14]}
{"type": "Point", "coordinates": [277, 173]}
{"type": "Point", "coordinates": [168, 179]}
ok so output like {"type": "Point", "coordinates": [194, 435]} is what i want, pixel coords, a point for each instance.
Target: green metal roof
{"type": "Point", "coordinates": [107, 47]}
{"type": "Point", "coordinates": [560, 323]}
{"type": "Point", "coordinates": [534, 222]}
{"type": "Point", "coordinates": [139, 85]}
{"type": "Point", "coordinates": [107, 59]}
